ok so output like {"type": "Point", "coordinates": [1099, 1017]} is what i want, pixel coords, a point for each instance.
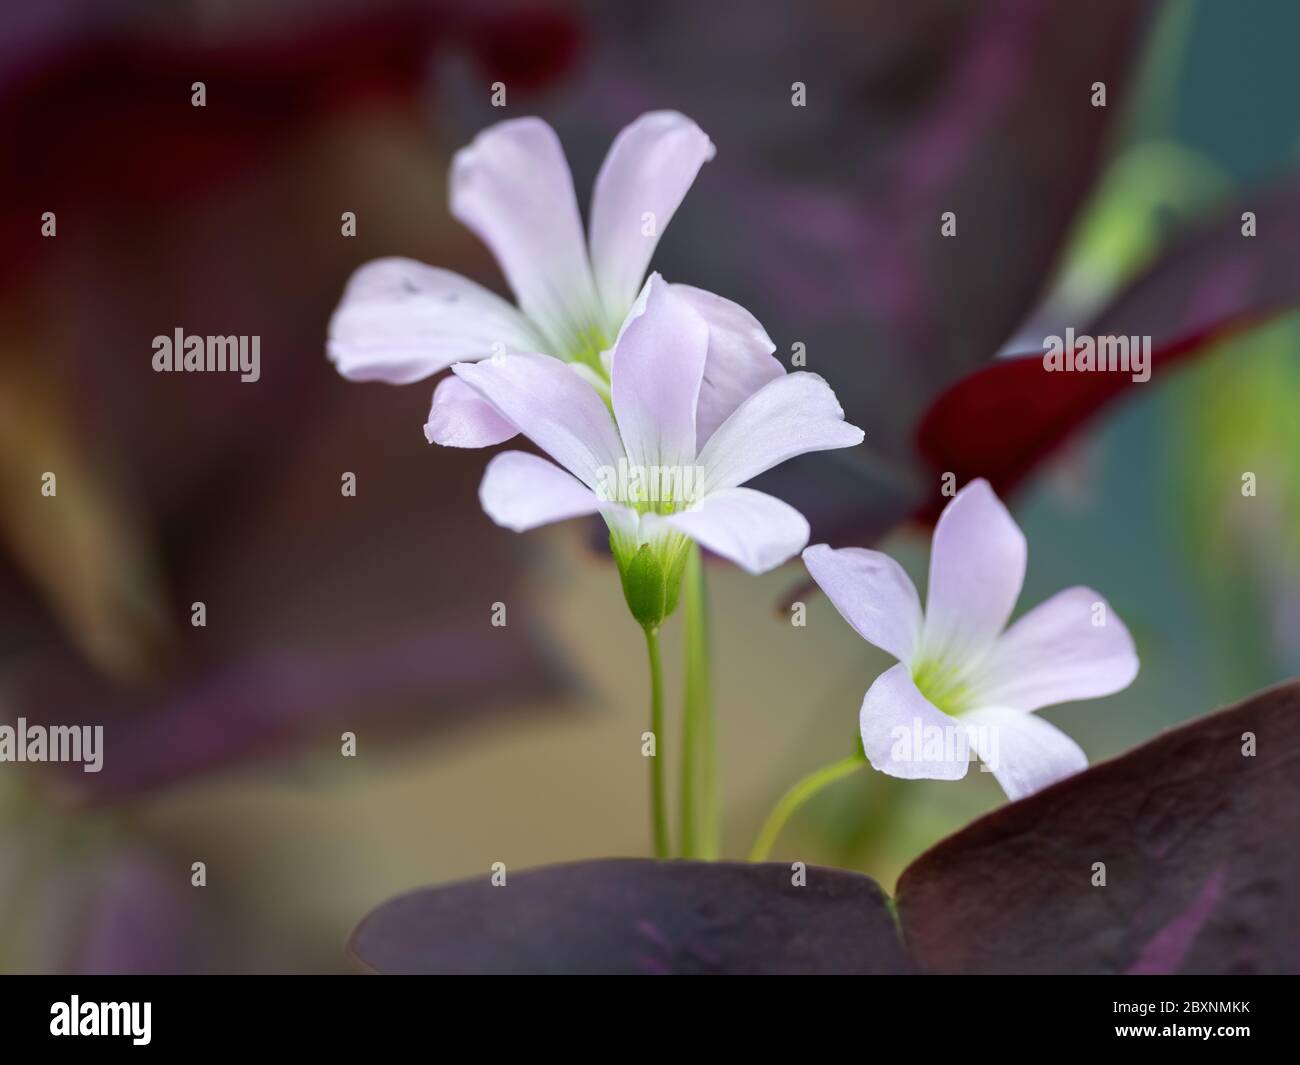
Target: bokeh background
{"type": "Point", "coordinates": [479, 744]}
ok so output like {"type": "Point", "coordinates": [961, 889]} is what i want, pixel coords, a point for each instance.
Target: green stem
{"type": "Point", "coordinates": [796, 797]}
{"type": "Point", "coordinates": [658, 805]}
{"type": "Point", "coordinates": [700, 815]}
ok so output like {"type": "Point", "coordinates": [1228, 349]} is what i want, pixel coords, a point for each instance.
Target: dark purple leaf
{"type": "Point", "coordinates": [632, 916]}
{"type": "Point", "coordinates": [1199, 846]}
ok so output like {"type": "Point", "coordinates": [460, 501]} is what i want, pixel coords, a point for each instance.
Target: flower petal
{"type": "Point", "coordinates": [400, 321]}
{"type": "Point", "coordinates": [792, 415]}
{"type": "Point", "coordinates": [754, 530]}
{"type": "Point", "coordinates": [644, 178]}
{"type": "Point", "coordinates": [977, 566]}
{"type": "Point", "coordinates": [461, 417]}
{"type": "Point", "coordinates": [657, 366]}
{"type": "Point", "coordinates": [1057, 653]}
{"type": "Point", "coordinates": [1024, 752]}
{"type": "Point", "coordinates": [739, 363]}
{"type": "Point", "coordinates": [872, 593]}
{"type": "Point", "coordinates": [552, 406]}
{"type": "Point", "coordinates": [522, 491]}
{"type": "Point", "coordinates": [513, 188]}
{"type": "Point", "coordinates": [906, 736]}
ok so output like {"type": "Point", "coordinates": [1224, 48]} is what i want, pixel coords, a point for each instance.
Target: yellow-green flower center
{"type": "Point", "coordinates": [586, 348]}
{"type": "Point", "coordinates": [944, 684]}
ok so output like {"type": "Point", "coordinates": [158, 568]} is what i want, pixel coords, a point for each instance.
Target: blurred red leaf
{"type": "Point", "coordinates": [1003, 420]}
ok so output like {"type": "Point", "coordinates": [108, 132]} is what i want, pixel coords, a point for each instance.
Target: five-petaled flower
{"type": "Point", "coordinates": [958, 673]}
{"type": "Point", "coordinates": [401, 321]}
{"type": "Point", "coordinates": [651, 422]}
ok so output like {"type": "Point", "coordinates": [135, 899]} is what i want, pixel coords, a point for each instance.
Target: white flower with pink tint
{"type": "Point", "coordinates": [401, 321]}
{"type": "Point", "coordinates": [964, 681]}
{"type": "Point", "coordinates": [652, 422]}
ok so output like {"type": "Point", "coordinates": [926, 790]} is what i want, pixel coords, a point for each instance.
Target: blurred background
{"type": "Point", "coordinates": [325, 614]}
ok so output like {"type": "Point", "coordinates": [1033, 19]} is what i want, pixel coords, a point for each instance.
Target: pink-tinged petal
{"type": "Point", "coordinates": [644, 178]}
{"type": "Point", "coordinates": [1024, 752]}
{"type": "Point", "coordinates": [790, 416]}
{"type": "Point", "coordinates": [872, 593]}
{"type": "Point", "coordinates": [905, 735]}
{"type": "Point", "coordinates": [461, 417]}
{"type": "Point", "coordinates": [513, 188]}
{"type": "Point", "coordinates": [522, 491]}
{"type": "Point", "coordinates": [657, 366]}
{"type": "Point", "coordinates": [754, 530]}
{"type": "Point", "coordinates": [739, 363]}
{"type": "Point", "coordinates": [977, 566]}
{"type": "Point", "coordinates": [1072, 646]}
{"type": "Point", "coordinates": [552, 406]}
{"type": "Point", "coordinates": [400, 321]}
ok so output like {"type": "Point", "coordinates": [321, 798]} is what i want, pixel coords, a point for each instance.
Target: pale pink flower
{"type": "Point", "coordinates": [962, 684]}
{"type": "Point", "coordinates": [652, 422]}
{"type": "Point", "coordinates": [401, 321]}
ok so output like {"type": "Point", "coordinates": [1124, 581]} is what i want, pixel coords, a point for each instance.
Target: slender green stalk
{"type": "Point", "coordinates": [700, 815]}
{"type": "Point", "coordinates": [658, 804]}
{"type": "Point", "coordinates": [796, 797]}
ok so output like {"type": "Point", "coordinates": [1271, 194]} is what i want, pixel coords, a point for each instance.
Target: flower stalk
{"type": "Point", "coordinates": [804, 790]}
{"type": "Point", "coordinates": [700, 814]}
{"type": "Point", "coordinates": [658, 798]}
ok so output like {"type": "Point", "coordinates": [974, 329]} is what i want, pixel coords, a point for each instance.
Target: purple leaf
{"type": "Point", "coordinates": [632, 916]}
{"type": "Point", "coordinates": [1198, 843]}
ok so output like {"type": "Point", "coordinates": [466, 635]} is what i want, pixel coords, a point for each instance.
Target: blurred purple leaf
{"type": "Point", "coordinates": [103, 89]}
{"type": "Point", "coordinates": [825, 219]}
{"type": "Point", "coordinates": [631, 916]}
{"type": "Point", "coordinates": [1198, 841]}
{"type": "Point", "coordinates": [324, 612]}
{"type": "Point", "coordinates": [137, 916]}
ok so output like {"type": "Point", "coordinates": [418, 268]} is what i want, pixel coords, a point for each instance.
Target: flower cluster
{"type": "Point", "coordinates": [655, 403]}
{"type": "Point", "coordinates": [600, 372]}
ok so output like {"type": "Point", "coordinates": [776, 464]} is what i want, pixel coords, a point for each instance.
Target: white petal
{"type": "Point", "coordinates": [739, 363]}
{"type": "Point", "coordinates": [461, 417]}
{"type": "Point", "coordinates": [790, 416]}
{"type": "Point", "coordinates": [1023, 752]}
{"type": "Point", "coordinates": [522, 491]}
{"type": "Point", "coordinates": [1057, 653]}
{"type": "Point", "coordinates": [400, 321]}
{"type": "Point", "coordinates": [552, 406]}
{"type": "Point", "coordinates": [513, 188]}
{"type": "Point", "coordinates": [644, 178]}
{"type": "Point", "coordinates": [906, 736]}
{"type": "Point", "coordinates": [872, 593]}
{"type": "Point", "coordinates": [657, 366]}
{"type": "Point", "coordinates": [977, 565]}
{"type": "Point", "coordinates": [754, 530]}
